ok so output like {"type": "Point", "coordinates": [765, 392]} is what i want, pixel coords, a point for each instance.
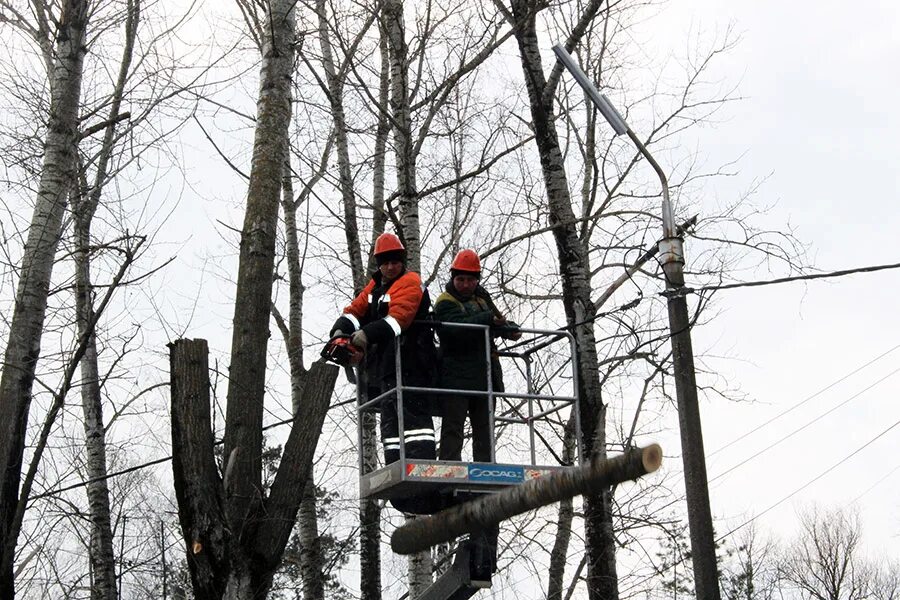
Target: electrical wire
{"type": "Point", "coordinates": [730, 286]}
{"type": "Point", "coordinates": [811, 481]}
{"type": "Point", "coordinates": [804, 401]}
{"type": "Point", "coordinates": [874, 485]}
{"type": "Point", "coordinates": [808, 424]}
{"type": "Point", "coordinates": [661, 571]}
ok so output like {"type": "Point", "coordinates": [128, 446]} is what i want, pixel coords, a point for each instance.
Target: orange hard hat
{"type": "Point", "coordinates": [387, 242]}
{"type": "Point", "coordinates": [466, 260]}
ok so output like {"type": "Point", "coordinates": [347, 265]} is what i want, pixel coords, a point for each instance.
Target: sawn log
{"type": "Point", "coordinates": [476, 515]}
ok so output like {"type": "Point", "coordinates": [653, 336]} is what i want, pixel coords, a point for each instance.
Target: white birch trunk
{"type": "Point", "coordinates": [370, 510]}
{"type": "Point", "coordinates": [403, 142]}
{"type": "Point", "coordinates": [102, 556]}
{"type": "Point", "coordinates": [382, 131]}
{"type": "Point", "coordinates": [576, 283]}
{"type": "Point", "coordinates": [348, 197]}
{"type": "Point", "coordinates": [420, 569]}
{"type": "Point", "coordinates": [24, 342]}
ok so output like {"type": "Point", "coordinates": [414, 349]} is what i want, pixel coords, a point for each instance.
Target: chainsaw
{"type": "Point", "coordinates": [341, 352]}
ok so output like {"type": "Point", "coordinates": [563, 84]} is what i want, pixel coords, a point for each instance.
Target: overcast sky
{"type": "Point", "coordinates": [821, 120]}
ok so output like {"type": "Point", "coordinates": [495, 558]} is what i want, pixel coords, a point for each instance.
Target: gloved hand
{"type": "Point", "coordinates": [336, 333]}
{"type": "Point", "coordinates": [510, 330]}
{"type": "Point", "coordinates": [359, 339]}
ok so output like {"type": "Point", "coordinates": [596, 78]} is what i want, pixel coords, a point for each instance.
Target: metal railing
{"type": "Point", "coordinates": [546, 337]}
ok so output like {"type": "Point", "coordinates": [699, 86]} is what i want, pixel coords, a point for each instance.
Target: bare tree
{"type": "Point", "coordinates": [236, 534]}
{"type": "Point", "coordinates": [824, 561]}
{"type": "Point", "coordinates": [751, 573]}
{"type": "Point", "coordinates": [886, 580]}
{"type": "Point", "coordinates": [575, 273]}
{"type": "Point", "coordinates": [65, 62]}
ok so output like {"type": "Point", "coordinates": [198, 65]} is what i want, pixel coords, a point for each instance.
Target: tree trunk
{"type": "Point", "coordinates": [307, 520]}
{"type": "Point", "coordinates": [222, 564]}
{"type": "Point", "coordinates": [576, 284]}
{"type": "Point", "coordinates": [253, 300]}
{"type": "Point", "coordinates": [102, 556]}
{"type": "Point", "coordinates": [24, 342]}
{"type": "Point", "coordinates": [382, 131]}
{"type": "Point", "coordinates": [348, 197]}
{"type": "Point", "coordinates": [310, 547]}
{"type": "Point", "coordinates": [198, 488]}
{"type": "Point", "coordinates": [235, 537]}
{"type": "Point", "coordinates": [101, 552]}
{"type": "Point", "coordinates": [560, 551]}
{"type": "Point", "coordinates": [369, 519]}
{"type": "Point", "coordinates": [370, 509]}
{"type": "Point", "coordinates": [403, 142]}
{"type": "Point", "coordinates": [420, 568]}
{"type": "Point", "coordinates": [479, 514]}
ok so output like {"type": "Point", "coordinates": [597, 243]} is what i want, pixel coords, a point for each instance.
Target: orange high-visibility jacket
{"type": "Point", "coordinates": [389, 314]}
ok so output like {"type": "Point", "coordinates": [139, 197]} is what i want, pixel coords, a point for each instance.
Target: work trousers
{"type": "Point", "coordinates": [418, 427]}
{"type": "Point", "coordinates": [455, 410]}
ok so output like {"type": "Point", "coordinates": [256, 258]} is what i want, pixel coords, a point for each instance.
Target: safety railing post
{"type": "Point", "coordinates": [401, 426]}
{"type": "Point", "coordinates": [490, 396]}
{"type": "Point", "coordinates": [530, 387]}
{"type": "Point", "coordinates": [360, 394]}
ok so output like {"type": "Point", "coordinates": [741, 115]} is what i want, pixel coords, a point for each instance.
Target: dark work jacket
{"type": "Point", "coordinates": [463, 361]}
{"type": "Point", "coordinates": [387, 313]}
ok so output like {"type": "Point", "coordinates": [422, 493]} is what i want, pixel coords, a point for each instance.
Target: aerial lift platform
{"type": "Point", "coordinates": [426, 486]}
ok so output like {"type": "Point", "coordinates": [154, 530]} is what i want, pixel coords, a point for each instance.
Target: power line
{"type": "Point", "coordinates": [804, 401]}
{"type": "Point", "coordinates": [874, 485]}
{"type": "Point", "coordinates": [841, 379]}
{"type": "Point", "coordinates": [661, 571]}
{"type": "Point", "coordinates": [799, 429]}
{"type": "Point", "coordinates": [811, 481]}
{"type": "Point", "coordinates": [742, 284]}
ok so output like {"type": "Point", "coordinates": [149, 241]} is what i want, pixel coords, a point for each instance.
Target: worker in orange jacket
{"type": "Point", "coordinates": [380, 316]}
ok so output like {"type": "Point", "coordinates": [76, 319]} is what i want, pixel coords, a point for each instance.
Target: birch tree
{"type": "Point", "coordinates": [574, 267]}
{"type": "Point", "coordinates": [65, 60]}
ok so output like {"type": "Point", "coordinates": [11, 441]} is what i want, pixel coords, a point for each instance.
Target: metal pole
{"type": "Point", "coordinates": [399, 390]}
{"type": "Point", "coordinates": [703, 548]}
{"type": "Point", "coordinates": [490, 395]}
{"type": "Point", "coordinates": [530, 410]}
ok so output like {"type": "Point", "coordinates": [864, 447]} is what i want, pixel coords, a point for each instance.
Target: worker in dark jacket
{"type": "Point", "coordinates": [380, 316]}
{"type": "Point", "coordinates": [463, 358]}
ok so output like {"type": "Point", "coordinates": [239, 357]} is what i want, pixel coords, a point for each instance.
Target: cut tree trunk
{"type": "Point", "coordinates": [223, 564]}
{"type": "Point", "coordinates": [487, 511]}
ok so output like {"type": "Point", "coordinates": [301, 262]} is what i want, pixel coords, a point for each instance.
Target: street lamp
{"type": "Point", "coordinates": [671, 249]}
